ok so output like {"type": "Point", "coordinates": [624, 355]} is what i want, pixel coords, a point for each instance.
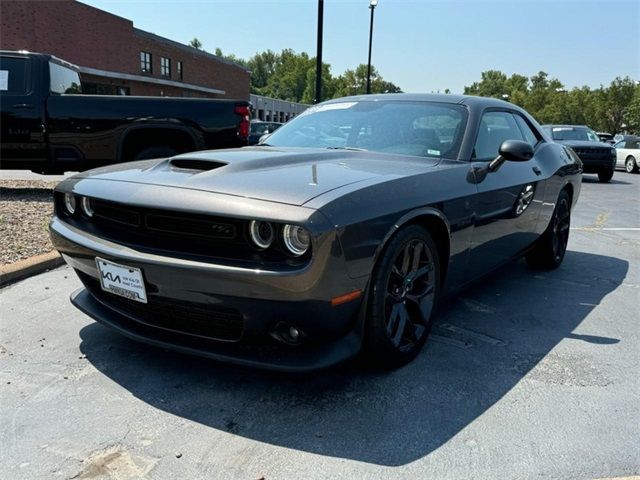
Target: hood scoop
{"type": "Point", "coordinates": [196, 164]}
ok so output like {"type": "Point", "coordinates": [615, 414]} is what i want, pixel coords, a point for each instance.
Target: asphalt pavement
{"type": "Point", "coordinates": [528, 374]}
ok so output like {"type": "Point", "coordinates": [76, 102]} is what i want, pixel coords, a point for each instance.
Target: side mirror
{"type": "Point", "coordinates": [516, 151]}
{"type": "Point", "coordinates": [512, 150]}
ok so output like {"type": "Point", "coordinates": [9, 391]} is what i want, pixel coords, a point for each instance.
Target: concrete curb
{"type": "Point", "coordinates": [28, 267]}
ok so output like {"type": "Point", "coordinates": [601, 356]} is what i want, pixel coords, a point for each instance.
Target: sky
{"type": "Point", "coordinates": [420, 45]}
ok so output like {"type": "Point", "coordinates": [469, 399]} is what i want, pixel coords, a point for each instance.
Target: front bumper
{"type": "Point", "coordinates": [223, 311]}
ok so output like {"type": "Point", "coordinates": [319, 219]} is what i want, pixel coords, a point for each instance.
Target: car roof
{"type": "Point", "coordinates": [427, 97]}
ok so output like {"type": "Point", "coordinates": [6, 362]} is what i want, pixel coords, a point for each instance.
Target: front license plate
{"type": "Point", "coordinates": [121, 280]}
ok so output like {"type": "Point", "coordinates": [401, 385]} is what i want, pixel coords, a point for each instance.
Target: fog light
{"type": "Point", "coordinates": [86, 206]}
{"type": "Point", "coordinates": [294, 334]}
{"type": "Point", "coordinates": [70, 203]}
{"type": "Point", "coordinates": [285, 332]}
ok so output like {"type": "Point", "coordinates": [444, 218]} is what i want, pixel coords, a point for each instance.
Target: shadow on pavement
{"type": "Point", "coordinates": [587, 178]}
{"type": "Point", "coordinates": [484, 342]}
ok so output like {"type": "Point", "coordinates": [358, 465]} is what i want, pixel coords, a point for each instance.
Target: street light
{"type": "Point", "coordinates": [372, 6]}
{"type": "Point", "coordinates": [319, 53]}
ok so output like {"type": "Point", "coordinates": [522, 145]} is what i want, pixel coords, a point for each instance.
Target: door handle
{"type": "Point", "coordinates": [26, 106]}
{"type": "Point", "coordinates": [536, 170]}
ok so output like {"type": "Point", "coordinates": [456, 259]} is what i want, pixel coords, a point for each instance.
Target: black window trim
{"type": "Point", "coordinates": [506, 110]}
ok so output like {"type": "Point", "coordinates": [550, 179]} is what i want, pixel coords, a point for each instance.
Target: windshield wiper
{"type": "Point", "coordinates": [354, 149]}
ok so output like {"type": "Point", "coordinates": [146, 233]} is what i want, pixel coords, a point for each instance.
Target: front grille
{"type": "Point", "coordinates": [208, 321]}
{"type": "Point", "coordinates": [593, 153]}
{"type": "Point", "coordinates": [175, 223]}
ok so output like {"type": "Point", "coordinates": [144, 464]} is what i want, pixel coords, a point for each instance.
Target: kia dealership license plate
{"type": "Point", "coordinates": [121, 280]}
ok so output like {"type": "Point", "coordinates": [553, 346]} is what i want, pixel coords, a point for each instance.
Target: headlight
{"type": "Point", "coordinates": [70, 203]}
{"type": "Point", "coordinates": [296, 239]}
{"type": "Point", "coordinates": [87, 207]}
{"type": "Point", "coordinates": [261, 233]}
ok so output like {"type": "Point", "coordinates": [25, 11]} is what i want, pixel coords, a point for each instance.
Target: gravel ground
{"type": "Point", "coordinates": [25, 209]}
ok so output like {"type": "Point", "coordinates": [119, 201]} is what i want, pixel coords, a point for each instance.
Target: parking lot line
{"type": "Point", "coordinates": [611, 229]}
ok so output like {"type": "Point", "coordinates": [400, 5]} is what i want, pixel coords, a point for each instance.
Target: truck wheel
{"type": "Point", "coordinates": [552, 245]}
{"type": "Point", "coordinates": [605, 175]}
{"type": "Point", "coordinates": [630, 165]}
{"type": "Point", "coordinates": [403, 294]}
{"type": "Point", "coordinates": [161, 151]}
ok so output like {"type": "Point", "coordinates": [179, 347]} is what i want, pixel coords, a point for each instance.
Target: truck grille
{"type": "Point", "coordinates": [208, 321]}
{"type": "Point", "coordinates": [593, 153]}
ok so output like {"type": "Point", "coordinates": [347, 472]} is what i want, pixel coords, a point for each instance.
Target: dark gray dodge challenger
{"type": "Point", "coordinates": [337, 235]}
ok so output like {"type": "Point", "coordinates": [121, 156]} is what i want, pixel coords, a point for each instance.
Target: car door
{"type": "Point", "coordinates": [23, 138]}
{"type": "Point", "coordinates": [508, 199]}
{"type": "Point", "coordinates": [620, 153]}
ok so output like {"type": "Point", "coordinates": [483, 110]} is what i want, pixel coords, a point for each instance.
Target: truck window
{"type": "Point", "coordinates": [63, 79]}
{"type": "Point", "coordinates": [15, 75]}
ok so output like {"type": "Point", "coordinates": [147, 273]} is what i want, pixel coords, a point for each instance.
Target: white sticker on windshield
{"type": "Point", "coordinates": [562, 129]}
{"type": "Point", "coordinates": [335, 106]}
{"type": "Point", "coordinates": [4, 80]}
{"type": "Point", "coordinates": [433, 152]}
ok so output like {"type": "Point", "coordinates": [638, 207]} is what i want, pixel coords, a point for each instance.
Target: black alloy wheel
{"type": "Point", "coordinates": [561, 223]}
{"type": "Point", "coordinates": [405, 287]}
{"type": "Point", "coordinates": [552, 245]}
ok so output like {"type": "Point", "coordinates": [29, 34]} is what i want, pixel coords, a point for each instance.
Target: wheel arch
{"type": "Point", "coordinates": [136, 137]}
{"type": "Point", "coordinates": [435, 222]}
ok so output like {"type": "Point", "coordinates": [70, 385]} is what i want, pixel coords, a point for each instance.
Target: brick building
{"type": "Point", "coordinates": [113, 56]}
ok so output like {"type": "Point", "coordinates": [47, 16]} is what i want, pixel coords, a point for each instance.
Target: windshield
{"type": "Point", "coordinates": [426, 129]}
{"type": "Point", "coordinates": [575, 133]}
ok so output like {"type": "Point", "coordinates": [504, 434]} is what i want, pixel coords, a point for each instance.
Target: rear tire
{"type": "Point", "coordinates": [630, 165]}
{"type": "Point", "coordinates": [159, 151]}
{"type": "Point", "coordinates": [403, 295]}
{"type": "Point", "coordinates": [552, 245]}
{"type": "Point", "coordinates": [605, 175]}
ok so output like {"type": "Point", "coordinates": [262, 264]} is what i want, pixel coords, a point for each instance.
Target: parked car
{"type": "Point", "coordinates": [628, 154]}
{"type": "Point", "coordinates": [49, 127]}
{"type": "Point", "coordinates": [596, 157]}
{"type": "Point", "coordinates": [606, 137]}
{"type": "Point", "coordinates": [301, 254]}
{"type": "Point", "coordinates": [260, 129]}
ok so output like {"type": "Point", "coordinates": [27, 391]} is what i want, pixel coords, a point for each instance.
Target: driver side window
{"type": "Point", "coordinates": [495, 128]}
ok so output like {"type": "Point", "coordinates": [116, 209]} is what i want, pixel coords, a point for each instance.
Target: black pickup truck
{"type": "Point", "coordinates": [597, 156]}
{"type": "Point", "coordinates": [48, 126]}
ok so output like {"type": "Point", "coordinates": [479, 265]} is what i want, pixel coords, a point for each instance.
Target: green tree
{"type": "Point", "coordinates": [195, 43]}
{"type": "Point", "coordinates": [615, 101]}
{"type": "Point", "coordinates": [231, 57]}
{"type": "Point", "coordinates": [632, 113]}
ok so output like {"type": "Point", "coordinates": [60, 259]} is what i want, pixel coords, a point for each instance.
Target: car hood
{"type": "Point", "coordinates": [286, 175]}
{"type": "Point", "coordinates": [584, 144]}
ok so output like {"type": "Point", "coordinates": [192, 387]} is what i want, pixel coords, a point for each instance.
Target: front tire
{"type": "Point", "coordinates": [605, 175]}
{"type": "Point", "coordinates": [403, 295]}
{"type": "Point", "coordinates": [630, 165]}
{"type": "Point", "coordinates": [552, 245]}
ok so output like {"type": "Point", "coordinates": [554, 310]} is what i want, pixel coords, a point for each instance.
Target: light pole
{"type": "Point", "coordinates": [319, 53]}
{"type": "Point", "coordinates": [372, 7]}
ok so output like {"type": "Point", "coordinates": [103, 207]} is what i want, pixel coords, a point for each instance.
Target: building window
{"type": "Point", "coordinates": [180, 70]}
{"type": "Point", "coordinates": [165, 67]}
{"type": "Point", "coordinates": [145, 62]}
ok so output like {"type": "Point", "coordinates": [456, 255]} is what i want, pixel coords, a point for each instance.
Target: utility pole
{"type": "Point", "coordinates": [372, 7]}
{"type": "Point", "coordinates": [319, 53]}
